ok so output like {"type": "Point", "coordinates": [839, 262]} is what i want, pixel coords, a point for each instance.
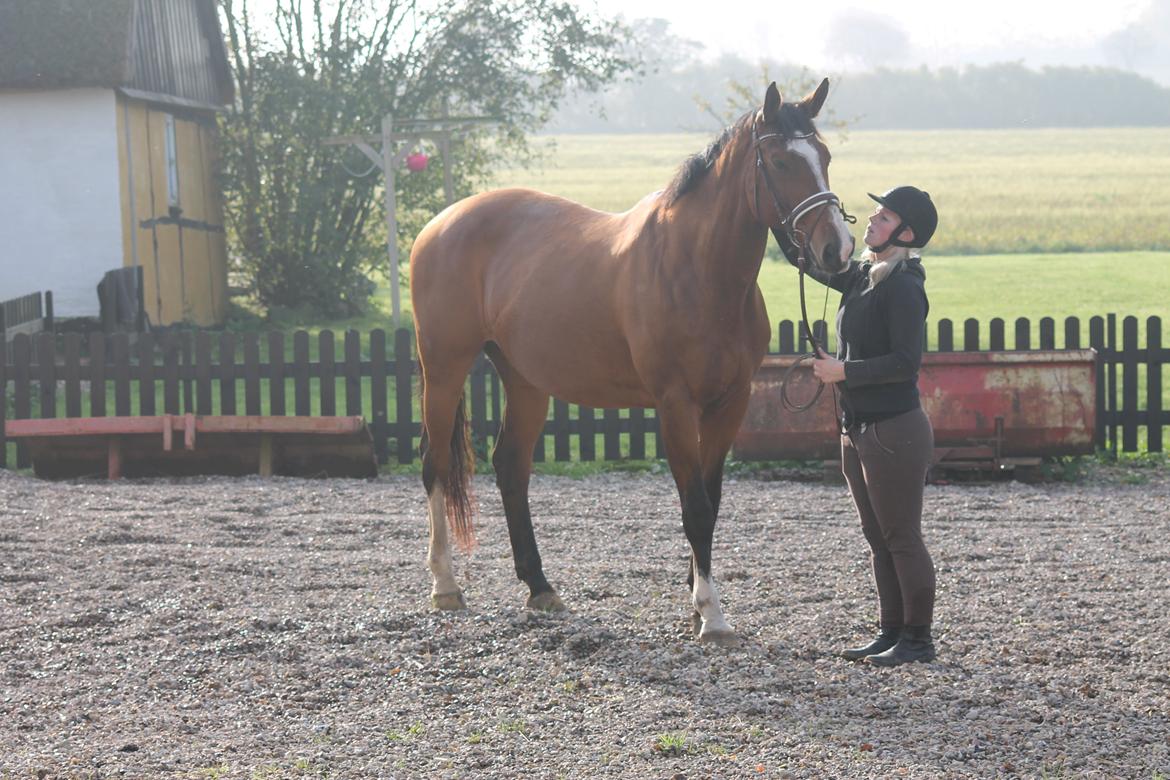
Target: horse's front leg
{"type": "Point", "coordinates": [717, 429]}
{"type": "Point", "coordinates": [679, 422]}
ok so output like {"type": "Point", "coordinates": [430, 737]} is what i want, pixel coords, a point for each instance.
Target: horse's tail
{"type": "Point", "coordinates": [460, 512]}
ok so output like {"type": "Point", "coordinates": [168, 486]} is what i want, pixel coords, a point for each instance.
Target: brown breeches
{"type": "Point", "coordinates": [885, 465]}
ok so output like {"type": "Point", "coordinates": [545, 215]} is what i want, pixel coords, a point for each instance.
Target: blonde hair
{"type": "Point", "coordinates": [880, 271]}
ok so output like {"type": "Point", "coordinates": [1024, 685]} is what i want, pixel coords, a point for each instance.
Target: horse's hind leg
{"type": "Point", "coordinates": [525, 411]}
{"type": "Point", "coordinates": [442, 398]}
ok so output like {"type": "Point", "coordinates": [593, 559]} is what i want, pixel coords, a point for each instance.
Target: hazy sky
{"type": "Point", "coordinates": [839, 34]}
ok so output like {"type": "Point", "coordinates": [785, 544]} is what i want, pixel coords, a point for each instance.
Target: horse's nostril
{"type": "Point", "coordinates": [832, 256]}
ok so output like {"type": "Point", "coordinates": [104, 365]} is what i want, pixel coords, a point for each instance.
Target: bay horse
{"type": "Point", "coordinates": [655, 307]}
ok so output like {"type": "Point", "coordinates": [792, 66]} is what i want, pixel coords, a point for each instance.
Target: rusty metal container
{"type": "Point", "coordinates": [1044, 398]}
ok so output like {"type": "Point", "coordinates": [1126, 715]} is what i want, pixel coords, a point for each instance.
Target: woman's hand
{"type": "Point", "coordinates": [828, 370]}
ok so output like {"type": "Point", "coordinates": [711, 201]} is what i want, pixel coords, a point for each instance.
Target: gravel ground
{"type": "Point", "coordinates": [216, 628]}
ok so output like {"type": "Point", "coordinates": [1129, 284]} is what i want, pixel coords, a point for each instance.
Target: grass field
{"type": "Point", "coordinates": [997, 190]}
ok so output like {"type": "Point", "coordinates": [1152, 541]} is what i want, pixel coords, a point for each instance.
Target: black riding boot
{"type": "Point", "coordinates": [915, 644]}
{"type": "Point", "coordinates": [884, 641]}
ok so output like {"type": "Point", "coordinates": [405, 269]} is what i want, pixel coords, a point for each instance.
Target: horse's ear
{"type": "Point", "coordinates": [772, 103]}
{"type": "Point", "coordinates": [814, 100]}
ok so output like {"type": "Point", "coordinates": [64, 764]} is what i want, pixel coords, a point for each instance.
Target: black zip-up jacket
{"type": "Point", "coordinates": [880, 335]}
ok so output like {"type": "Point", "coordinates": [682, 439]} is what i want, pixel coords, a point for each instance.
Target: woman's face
{"type": "Point", "coordinates": [881, 223]}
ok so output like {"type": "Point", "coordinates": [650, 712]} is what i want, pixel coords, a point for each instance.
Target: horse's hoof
{"type": "Point", "coordinates": [696, 623]}
{"type": "Point", "coordinates": [448, 601]}
{"type": "Point", "coordinates": [548, 601]}
{"type": "Point", "coordinates": [723, 637]}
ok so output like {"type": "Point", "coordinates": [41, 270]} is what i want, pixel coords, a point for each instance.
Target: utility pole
{"type": "Point", "coordinates": [389, 158]}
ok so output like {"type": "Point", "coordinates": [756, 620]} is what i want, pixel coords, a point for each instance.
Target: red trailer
{"type": "Point", "coordinates": [994, 410]}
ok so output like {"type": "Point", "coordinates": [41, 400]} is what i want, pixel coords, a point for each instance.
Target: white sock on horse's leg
{"type": "Point", "coordinates": [706, 600]}
{"type": "Point", "coordinates": [445, 593]}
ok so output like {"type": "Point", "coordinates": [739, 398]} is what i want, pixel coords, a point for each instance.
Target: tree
{"type": "Point", "coordinates": [305, 231]}
{"type": "Point", "coordinates": [793, 83]}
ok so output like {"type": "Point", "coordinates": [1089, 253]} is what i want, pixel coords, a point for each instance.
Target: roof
{"type": "Point", "coordinates": [170, 48]}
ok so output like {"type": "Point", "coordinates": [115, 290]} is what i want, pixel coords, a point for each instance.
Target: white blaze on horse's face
{"type": "Point", "coordinates": [803, 147]}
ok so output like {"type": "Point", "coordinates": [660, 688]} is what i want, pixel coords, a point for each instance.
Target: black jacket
{"type": "Point", "coordinates": [880, 335]}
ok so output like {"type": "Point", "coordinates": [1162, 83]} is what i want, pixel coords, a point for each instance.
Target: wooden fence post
{"type": "Point", "coordinates": [1154, 384]}
{"type": "Point", "coordinates": [146, 375]}
{"type": "Point", "coordinates": [327, 381]}
{"type": "Point", "coordinates": [353, 373]}
{"type": "Point", "coordinates": [227, 374]}
{"type": "Point", "coordinates": [97, 374]}
{"type": "Point", "coordinates": [1129, 389]}
{"type": "Point", "coordinates": [403, 392]}
{"type": "Point", "coordinates": [302, 399]}
{"type": "Point", "coordinates": [276, 373]}
{"type": "Point", "coordinates": [378, 404]}
{"type": "Point", "coordinates": [3, 393]}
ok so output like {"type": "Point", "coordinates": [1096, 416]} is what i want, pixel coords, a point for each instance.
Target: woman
{"type": "Point", "coordinates": [886, 439]}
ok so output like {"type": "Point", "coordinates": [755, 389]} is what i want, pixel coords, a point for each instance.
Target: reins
{"type": "Point", "coordinates": [798, 239]}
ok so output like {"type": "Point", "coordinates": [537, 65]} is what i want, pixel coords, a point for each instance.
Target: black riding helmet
{"type": "Point", "coordinates": [917, 212]}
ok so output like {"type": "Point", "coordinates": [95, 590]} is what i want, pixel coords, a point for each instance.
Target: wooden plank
{"type": "Point", "coordinates": [141, 424]}
{"type": "Point", "coordinates": [1072, 333]}
{"type": "Point", "coordinates": [171, 349]}
{"type": "Point", "coordinates": [970, 335]}
{"type": "Point", "coordinates": [378, 403]}
{"type": "Point", "coordinates": [283, 425]}
{"type": "Point", "coordinates": [120, 345]}
{"type": "Point", "coordinates": [266, 455]}
{"type": "Point", "coordinates": [1111, 379]}
{"type": "Point", "coordinates": [3, 394]}
{"type": "Point", "coordinates": [46, 344]}
{"type": "Point", "coordinates": [302, 400]}
{"type": "Point", "coordinates": [353, 372]}
{"type": "Point", "coordinates": [97, 374]}
{"type": "Point", "coordinates": [1097, 342]}
{"type": "Point", "coordinates": [561, 441]}
{"type": "Point", "coordinates": [114, 458]}
{"type": "Point", "coordinates": [1129, 384]}
{"type": "Point", "coordinates": [586, 429]}
{"type": "Point", "coordinates": [203, 373]}
{"type": "Point", "coordinates": [252, 373]}
{"type": "Point", "coordinates": [995, 337]}
{"type": "Point", "coordinates": [227, 373]}
{"type": "Point", "coordinates": [186, 372]}
{"type": "Point", "coordinates": [478, 380]}
{"type": "Point", "coordinates": [404, 390]}
{"type": "Point", "coordinates": [276, 372]}
{"type": "Point", "coordinates": [946, 336]}
{"type": "Point", "coordinates": [787, 338]}
{"type": "Point", "coordinates": [146, 374]}
{"type": "Point", "coordinates": [328, 375]}
{"type": "Point", "coordinates": [1023, 333]}
{"type": "Point", "coordinates": [1153, 384]}
{"type": "Point", "coordinates": [638, 433]}
{"type": "Point", "coordinates": [1047, 333]}
{"type": "Point", "coordinates": [71, 373]}
{"type": "Point", "coordinates": [22, 389]}
{"type": "Point", "coordinates": [613, 435]}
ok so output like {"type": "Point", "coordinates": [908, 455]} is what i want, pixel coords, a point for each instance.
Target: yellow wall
{"type": "Point", "coordinates": [184, 265]}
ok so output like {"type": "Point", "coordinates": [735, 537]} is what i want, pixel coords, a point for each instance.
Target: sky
{"type": "Point", "coordinates": [838, 35]}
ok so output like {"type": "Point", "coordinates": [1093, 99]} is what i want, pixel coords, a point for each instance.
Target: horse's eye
{"type": "Point", "coordinates": [778, 162]}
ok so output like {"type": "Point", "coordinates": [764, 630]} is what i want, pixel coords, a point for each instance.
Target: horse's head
{"type": "Point", "coordinates": [789, 182]}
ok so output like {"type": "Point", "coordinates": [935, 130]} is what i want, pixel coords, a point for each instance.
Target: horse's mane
{"type": "Point", "coordinates": [792, 122]}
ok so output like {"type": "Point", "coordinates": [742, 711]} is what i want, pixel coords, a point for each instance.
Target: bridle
{"type": "Point", "coordinates": [789, 235]}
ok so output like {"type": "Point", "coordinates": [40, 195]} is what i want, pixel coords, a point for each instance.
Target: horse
{"type": "Point", "coordinates": [655, 307]}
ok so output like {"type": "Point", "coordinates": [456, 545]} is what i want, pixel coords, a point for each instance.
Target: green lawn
{"type": "Point", "coordinates": [997, 190]}
{"type": "Point", "coordinates": [1009, 286]}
